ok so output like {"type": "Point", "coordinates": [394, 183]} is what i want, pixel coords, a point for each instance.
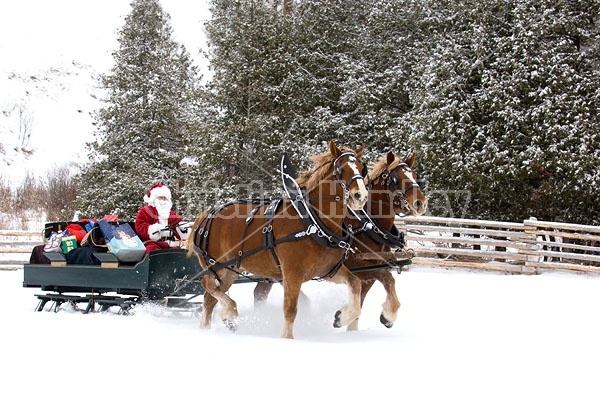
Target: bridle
{"type": "Point", "coordinates": [369, 225]}
{"type": "Point", "coordinates": [337, 172]}
{"type": "Point", "coordinates": [391, 178]}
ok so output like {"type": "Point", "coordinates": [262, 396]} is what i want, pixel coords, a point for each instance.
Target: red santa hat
{"type": "Point", "coordinates": [155, 191]}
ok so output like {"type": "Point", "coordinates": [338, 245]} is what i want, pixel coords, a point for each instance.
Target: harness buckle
{"type": "Point", "coordinates": [346, 246]}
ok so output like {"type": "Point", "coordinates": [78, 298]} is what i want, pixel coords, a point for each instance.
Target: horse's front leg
{"type": "Point", "coordinates": [351, 311]}
{"type": "Point", "coordinates": [291, 292]}
{"type": "Point", "coordinates": [366, 284]}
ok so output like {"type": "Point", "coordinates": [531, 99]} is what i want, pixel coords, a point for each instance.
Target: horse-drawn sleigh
{"type": "Point", "coordinates": [337, 224]}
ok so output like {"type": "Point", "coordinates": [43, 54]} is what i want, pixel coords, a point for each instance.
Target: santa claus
{"type": "Point", "coordinates": [156, 224]}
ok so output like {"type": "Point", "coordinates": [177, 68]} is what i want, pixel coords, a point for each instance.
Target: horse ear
{"type": "Point", "coordinates": [335, 151]}
{"type": "Point", "coordinates": [390, 157]}
{"type": "Point", "coordinates": [360, 151]}
{"type": "Point", "coordinates": [410, 161]}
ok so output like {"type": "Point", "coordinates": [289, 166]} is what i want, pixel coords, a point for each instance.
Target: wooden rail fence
{"type": "Point", "coordinates": [526, 247]}
{"type": "Point", "coordinates": [16, 246]}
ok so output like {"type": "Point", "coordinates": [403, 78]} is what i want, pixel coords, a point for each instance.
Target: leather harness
{"type": "Point", "coordinates": [314, 226]}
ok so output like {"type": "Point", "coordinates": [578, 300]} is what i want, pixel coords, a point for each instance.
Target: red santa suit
{"type": "Point", "coordinates": [160, 229]}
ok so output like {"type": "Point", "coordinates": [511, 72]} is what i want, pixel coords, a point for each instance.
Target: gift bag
{"type": "Point", "coordinates": [53, 244]}
{"type": "Point", "coordinates": [122, 241]}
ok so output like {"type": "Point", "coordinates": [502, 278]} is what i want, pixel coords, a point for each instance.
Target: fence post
{"type": "Point", "coordinates": [533, 256]}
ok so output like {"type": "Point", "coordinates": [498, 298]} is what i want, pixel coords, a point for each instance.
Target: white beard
{"type": "Point", "coordinates": [164, 210]}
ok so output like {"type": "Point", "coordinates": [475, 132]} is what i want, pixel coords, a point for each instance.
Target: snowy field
{"type": "Point", "coordinates": [459, 334]}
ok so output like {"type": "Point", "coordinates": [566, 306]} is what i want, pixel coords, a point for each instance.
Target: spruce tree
{"type": "Point", "coordinates": [151, 113]}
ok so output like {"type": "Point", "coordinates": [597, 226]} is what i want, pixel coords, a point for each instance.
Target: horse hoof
{"type": "Point", "coordinates": [231, 325]}
{"type": "Point", "coordinates": [385, 322]}
{"type": "Point", "coordinates": [337, 322]}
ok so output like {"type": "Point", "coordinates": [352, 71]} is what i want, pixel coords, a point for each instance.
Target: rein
{"type": "Point", "coordinates": [374, 230]}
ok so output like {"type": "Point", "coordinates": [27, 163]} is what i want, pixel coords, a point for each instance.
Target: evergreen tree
{"type": "Point", "coordinates": [151, 113]}
{"type": "Point", "coordinates": [245, 134]}
{"type": "Point", "coordinates": [290, 77]}
{"type": "Point", "coordinates": [499, 98]}
{"type": "Point", "coordinates": [508, 104]}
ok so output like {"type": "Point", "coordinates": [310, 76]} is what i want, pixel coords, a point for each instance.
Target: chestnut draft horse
{"type": "Point", "coordinates": [272, 240]}
{"type": "Point", "coordinates": [393, 189]}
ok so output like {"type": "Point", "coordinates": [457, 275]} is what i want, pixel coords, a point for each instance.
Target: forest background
{"type": "Point", "coordinates": [498, 99]}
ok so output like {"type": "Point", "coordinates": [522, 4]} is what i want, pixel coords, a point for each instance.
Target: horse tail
{"type": "Point", "coordinates": [191, 242]}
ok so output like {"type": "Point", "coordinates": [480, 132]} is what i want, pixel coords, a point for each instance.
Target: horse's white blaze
{"type": "Point", "coordinates": [362, 188]}
{"type": "Point", "coordinates": [409, 175]}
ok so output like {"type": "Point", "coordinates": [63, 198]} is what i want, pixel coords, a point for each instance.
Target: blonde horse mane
{"type": "Point", "coordinates": [309, 179]}
{"type": "Point", "coordinates": [381, 166]}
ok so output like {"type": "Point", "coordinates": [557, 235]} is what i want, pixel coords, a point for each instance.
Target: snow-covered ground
{"type": "Point", "coordinates": [459, 334]}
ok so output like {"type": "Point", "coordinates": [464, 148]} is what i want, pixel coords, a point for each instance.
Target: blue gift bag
{"type": "Point", "coordinates": [122, 241]}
